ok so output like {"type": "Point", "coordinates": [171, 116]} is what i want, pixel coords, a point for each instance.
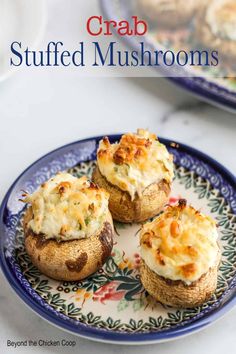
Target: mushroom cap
{"type": "Point", "coordinates": [123, 209]}
{"type": "Point", "coordinates": [177, 293]}
{"type": "Point", "coordinates": [69, 260]}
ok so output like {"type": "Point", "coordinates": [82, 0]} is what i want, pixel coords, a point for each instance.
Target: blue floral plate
{"type": "Point", "coordinates": [111, 305]}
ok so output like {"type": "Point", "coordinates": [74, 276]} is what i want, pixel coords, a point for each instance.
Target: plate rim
{"type": "Point", "coordinates": [215, 94]}
{"type": "Point", "coordinates": [104, 335]}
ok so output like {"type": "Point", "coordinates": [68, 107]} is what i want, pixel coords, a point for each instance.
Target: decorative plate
{"type": "Point", "coordinates": [111, 305]}
{"type": "Point", "coordinates": [219, 88]}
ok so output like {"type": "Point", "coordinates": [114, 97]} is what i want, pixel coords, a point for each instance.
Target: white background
{"type": "Point", "coordinates": [42, 110]}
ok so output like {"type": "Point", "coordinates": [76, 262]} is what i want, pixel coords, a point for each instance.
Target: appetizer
{"type": "Point", "coordinates": [180, 256]}
{"type": "Point", "coordinates": [137, 172]}
{"type": "Point", "coordinates": [169, 13]}
{"type": "Point", "coordinates": [216, 26]}
{"type": "Point", "coordinates": [68, 227]}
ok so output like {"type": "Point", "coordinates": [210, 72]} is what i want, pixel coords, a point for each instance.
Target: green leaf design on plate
{"type": "Point", "coordinates": [132, 312]}
{"type": "Point", "coordinates": [123, 304]}
{"type": "Point", "coordinates": [138, 304]}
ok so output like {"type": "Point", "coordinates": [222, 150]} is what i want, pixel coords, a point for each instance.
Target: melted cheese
{"type": "Point", "coordinates": [221, 18]}
{"type": "Point", "coordinates": [136, 162]}
{"type": "Point", "coordinates": [181, 244]}
{"type": "Point", "coordinates": [67, 208]}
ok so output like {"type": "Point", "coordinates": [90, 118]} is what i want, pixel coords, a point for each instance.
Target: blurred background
{"type": "Point", "coordinates": [41, 110]}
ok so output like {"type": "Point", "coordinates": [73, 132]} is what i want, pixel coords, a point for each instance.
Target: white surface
{"type": "Point", "coordinates": [22, 21]}
{"type": "Point", "coordinates": [42, 110]}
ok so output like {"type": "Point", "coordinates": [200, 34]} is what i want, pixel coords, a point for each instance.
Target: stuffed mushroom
{"type": "Point", "coordinates": [137, 172]}
{"type": "Point", "coordinates": [216, 27]}
{"type": "Point", "coordinates": [68, 227]}
{"type": "Point", "coordinates": [180, 257]}
{"type": "Point", "coordinates": [169, 13]}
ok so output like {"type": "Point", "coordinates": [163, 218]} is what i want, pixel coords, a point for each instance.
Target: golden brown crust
{"type": "Point", "coordinates": [177, 293]}
{"type": "Point", "coordinates": [125, 210]}
{"type": "Point", "coordinates": [68, 260]}
{"type": "Point", "coordinates": [226, 48]}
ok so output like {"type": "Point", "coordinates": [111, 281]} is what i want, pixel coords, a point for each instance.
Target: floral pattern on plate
{"type": "Point", "coordinates": [114, 298]}
{"type": "Point", "coordinates": [112, 305]}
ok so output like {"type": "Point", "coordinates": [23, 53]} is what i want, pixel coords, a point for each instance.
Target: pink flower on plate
{"type": "Point", "coordinates": [108, 292]}
{"type": "Point", "coordinates": [174, 200]}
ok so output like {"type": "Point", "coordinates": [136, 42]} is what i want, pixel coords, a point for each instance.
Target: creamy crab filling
{"type": "Point", "coordinates": [181, 244]}
{"type": "Point", "coordinates": [67, 208]}
{"type": "Point", "coordinates": [221, 18]}
{"type": "Point", "coordinates": [136, 162]}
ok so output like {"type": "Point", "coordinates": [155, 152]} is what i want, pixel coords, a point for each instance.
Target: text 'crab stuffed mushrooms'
{"type": "Point", "coordinates": [180, 257]}
{"type": "Point", "coordinates": [68, 227]}
{"type": "Point", "coordinates": [137, 172]}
